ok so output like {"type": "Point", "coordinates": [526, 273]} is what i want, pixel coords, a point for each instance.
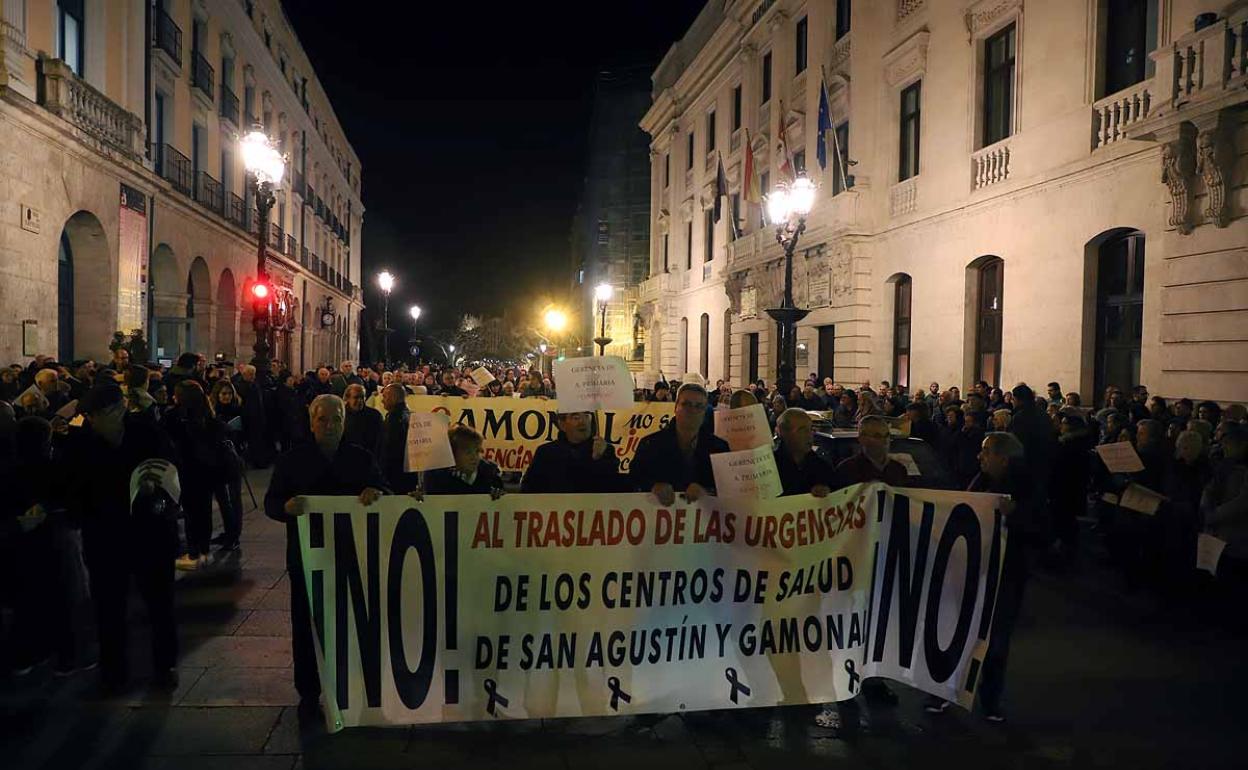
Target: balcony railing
{"type": "Point", "coordinates": [1113, 115]}
{"type": "Point", "coordinates": [208, 192]}
{"type": "Point", "coordinates": [277, 238]}
{"type": "Point", "coordinates": [175, 167]}
{"type": "Point", "coordinates": [310, 197]}
{"type": "Point", "coordinates": [167, 36]}
{"type": "Point", "coordinates": [103, 121]}
{"type": "Point", "coordinates": [292, 247]}
{"type": "Point", "coordinates": [990, 165]}
{"type": "Point", "coordinates": [202, 73]}
{"type": "Point", "coordinates": [235, 210]}
{"type": "Point", "coordinates": [229, 105]}
{"type": "Point", "coordinates": [903, 197]}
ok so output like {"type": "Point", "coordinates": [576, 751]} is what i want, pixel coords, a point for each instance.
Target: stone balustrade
{"type": "Point", "coordinates": [1113, 115]}
{"type": "Point", "coordinates": [903, 197]}
{"type": "Point", "coordinates": [104, 121]}
{"type": "Point", "coordinates": [990, 165]}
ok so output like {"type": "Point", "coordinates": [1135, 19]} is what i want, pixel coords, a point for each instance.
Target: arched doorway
{"type": "Point", "coordinates": [1119, 318]}
{"type": "Point", "coordinates": [86, 303]}
{"type": "Point", "coordinates": [227, 315]}
{"type": "Point", "coordinates": [170, 328]}
{"type": "Point", "coordinates": [985, 305]}
{"type": "Point", "coordinates": [902, 295]}
{"type": "Point", "coordinates": [199, 307]}
{"type": "Point", "coordinates": [65, 300]}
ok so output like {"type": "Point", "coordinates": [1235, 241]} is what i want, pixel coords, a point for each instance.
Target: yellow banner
{"type": "Point", "coordinates": [514, 428]}
{"type": "Point", "coordinates": [535, 606]}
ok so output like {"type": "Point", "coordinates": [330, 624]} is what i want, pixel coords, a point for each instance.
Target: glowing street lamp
{"type": "Point", "coordinates": [385, 280]}
{"type": "Point", "coordinates": [556, 320]}
{"type": "Point", "coordinates": [787, 207]}
{"type": "Point", "coordinates": [603, 293]}
{"type": "Point", "coordinates": [267, 166]}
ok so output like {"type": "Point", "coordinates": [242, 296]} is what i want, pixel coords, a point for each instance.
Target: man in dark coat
{"type": "Point", "coordinates": [576, 461]}
{"type": "Point", "coordinates": [255, 418]}
{"type": "Point", "coordinates": [678, 457]}
{"type": "Point", "coordinates": [393, 457]}
{"type": "Point", "coordinates": [872, 463]}
{"type": "Point", "coordinates": [325, 466]}
{"type": "Point", "coordinates": [100, 458]}
{"type": "Point", "coordinates": [363, 422]}
{"type": "Point", "coordinates": [801, 470]}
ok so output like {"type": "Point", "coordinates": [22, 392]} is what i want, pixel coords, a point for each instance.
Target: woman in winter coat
{"type": "Point", "coordinates": [200, 441]}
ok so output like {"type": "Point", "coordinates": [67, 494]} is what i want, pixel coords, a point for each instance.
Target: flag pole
{"type": "Point", "coordinates": [836, 149]}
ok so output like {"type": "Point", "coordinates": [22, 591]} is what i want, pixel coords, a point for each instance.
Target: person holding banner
{"type": "Point", "coordinates": [471, 474]}
{"type": "Point", "coordinates": [363, 423]}
{"type": "Point", "coordinates": [873, 462]}
{"type": "Point", "coordinates": [577, 461]}
{"type": "Point", "coordinates": [678, 457]}
{"type": "Point", "coordinates": [801, 470]}
{"type": "Point", "coordinates": [325, 466]}
{"type": "Point", "coordinates": [394, 441]}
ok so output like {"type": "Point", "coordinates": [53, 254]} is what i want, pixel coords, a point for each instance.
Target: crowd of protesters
{"type": "Point", "coordinates": [115, 467]}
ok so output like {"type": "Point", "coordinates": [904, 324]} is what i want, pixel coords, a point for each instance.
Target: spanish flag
{"type": "Point", "coordinates": [749, 178]}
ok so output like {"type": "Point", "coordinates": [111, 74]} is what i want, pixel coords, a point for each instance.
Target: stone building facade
{"type": "Point", "coordinates": [1036, 191]}
{"type": "Point", "coordinates": [124, 202]}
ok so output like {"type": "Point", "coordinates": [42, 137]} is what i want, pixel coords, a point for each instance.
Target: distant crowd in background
{"type": "Point", "coordinates": [112, 469]}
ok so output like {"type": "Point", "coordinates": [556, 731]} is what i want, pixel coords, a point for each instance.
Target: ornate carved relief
{"type": "Point", "coordinates": [1178, 167]}
{"type": "Point", "coordinates": [907, 7]}
{"type": "Point", "coordinates": [908, 60]}
{"type": "Point", "coordinates": [1212, 154]}
{"type": "Point", "coordinates": [734, 284]}
{"type": "Point", "coordinates": [985, 13]}
{"type": "Point", "coordinates": [842, 271]}
{"type": "Point", "coordinates": [664, 221]}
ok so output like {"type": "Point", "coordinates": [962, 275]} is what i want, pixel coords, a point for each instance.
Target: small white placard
{"type": "Point", "coordinates": [1120, 457]}
{"type": "Point", "coordinates": [1141, 499]}
{"type": "Point", "coordinates": [1208, 552]}
{"type": "Point", "coordinates": [428, 445]}
{"type": "Point", "coordinates": [593, 383]}
{"type": "Point", "coordinates": [743, 428]}
{"type": "Point", "coordinates": [748, 474]}
{"type": "Point", "coordinates": [482, 376]}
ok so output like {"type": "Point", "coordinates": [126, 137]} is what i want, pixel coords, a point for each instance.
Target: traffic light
{"type": "Point", "coordinates": [261, 296]}
{"type": "Point", "coordinates": [260, 292]}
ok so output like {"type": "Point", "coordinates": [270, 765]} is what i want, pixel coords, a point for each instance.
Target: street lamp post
{"type": "Point", "coordinates": [414, 312]}
{"type": "Point", "coordinates": [603, 292]}
{"type": "Point", "coordinates": [787, 207]}
{"type": "Point", "coordinates": [556, 320]}
{"type": "Point", "coordinates": [263, 161]}
{"type": "Point", "coordinates": [386, 281]}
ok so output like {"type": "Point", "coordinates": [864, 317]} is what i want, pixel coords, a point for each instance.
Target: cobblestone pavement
{"type": "Point", "coordinates": [1097, 678]}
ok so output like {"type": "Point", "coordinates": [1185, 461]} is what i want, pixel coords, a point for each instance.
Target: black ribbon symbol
{"type": "Point", "coordinates": [854, 677]}
{"type": "Point", "coordinates": [737, 686]}
{"type": "Point", "coordinates": [617, 694]}
{"type": "Point", "coordinates": [491, 689]}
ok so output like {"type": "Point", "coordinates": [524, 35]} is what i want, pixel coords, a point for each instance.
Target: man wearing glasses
{"type": "Point", "coordinates": [678, 457]}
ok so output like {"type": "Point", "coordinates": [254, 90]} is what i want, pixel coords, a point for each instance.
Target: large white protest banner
{"type": "Point", "coordinates": [749, 473]}
{"type": "Point", "coordinates": [513, 428]}
{"type": "Point", "coordinates": [743, 428]}
{"type": "Point", "coordinates": [593, 383]}
{"type": "Point", "coordinates": [467, 608]}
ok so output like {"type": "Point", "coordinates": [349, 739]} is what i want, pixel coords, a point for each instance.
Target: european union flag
{"type": "Point", "coordinates": [825, 126]}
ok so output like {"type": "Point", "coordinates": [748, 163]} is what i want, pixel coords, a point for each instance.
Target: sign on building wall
{"type": "Point", "coordinates": [749, 302]}
{"type": "Point", "coordinates": [132, 261]}
{"type": "Point", "coordinates": [820, 287]}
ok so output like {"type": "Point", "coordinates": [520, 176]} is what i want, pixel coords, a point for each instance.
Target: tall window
{"type": "Point", "coordinates": [709, 217]}
{"type": "Point", "coordinates": [70, 33]}
{"type": "Point", "coordinates": [227, 170]}
{"type": "Point", "coordinates": [1119, 311]}
{"type": "Point", "coordinates": [841, 158]}
{"type": "Point", "coordinates": [988, 324]}
{"type": "Point", "coordinates": [710, 131]}
{"type": "Point", "coordinates": [667, 170]}
{"type": "Point", "coordinates": [901, 331]}
{"type": "Point", "coordinates": [998, 86]}
{"type": "Point", "coordinates": [842, 18]}
{"type": "Point", "coordinates": [908, 158]}
{"type": "Point", "coordinates": [751, 357]}
{"type": "Point", "coordinates": [199, 145]}
{"type": "Point", "coordinates": [689, 245]}
{"type": "Point", "coordinates": [1130, 34]}
{"type": "Point", "coordinates": [735, 201]}
{"type": "Point", "coordinates": [764, 186]}
{"type": "Point", "coordinates": [766, 78]}
{"type": "Point", "coordinates": [799, 47]}
{"type": "Point", "coordinates": [799, 162]}
{"type": "Point", "coordinates": [689, 151]}
{"type": "Point", "coordinates": [736, 108]}
{"type": "Point", "coordinates": [684, 345]}
{"type": "Point", "coordinates": [704, 347]}
{"type": "Point", "coordinates": [666, 239]}
{"type": "Point", "coordinates": [158, 131]}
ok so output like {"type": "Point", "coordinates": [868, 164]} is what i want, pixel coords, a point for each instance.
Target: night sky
{"type": "Point", "coordinates": [471, 122]}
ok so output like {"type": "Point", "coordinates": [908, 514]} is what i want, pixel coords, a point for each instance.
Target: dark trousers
{"type": "Point", "coordinates": [229, 496]}
{"type": "Point", "coordinates": [147, 556]}
{"type": "Point", "coordinates": [1009, 602]}
{"type": "Point", "coordinates": [197, 505]}
{"type": "Point", "coordinates": [303, 647]}
{"type": "Point", "coordinates": [44, 600]}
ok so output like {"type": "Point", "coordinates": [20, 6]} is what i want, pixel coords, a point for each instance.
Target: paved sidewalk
{"type": "Point", "coordinates": [1097, 679]}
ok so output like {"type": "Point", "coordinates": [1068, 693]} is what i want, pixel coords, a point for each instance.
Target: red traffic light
{"type": "Point", "coordinates": [260, 291]}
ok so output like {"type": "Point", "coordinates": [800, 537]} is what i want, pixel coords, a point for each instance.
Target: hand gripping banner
{"type": "Point", "coordinates": [467, 608]}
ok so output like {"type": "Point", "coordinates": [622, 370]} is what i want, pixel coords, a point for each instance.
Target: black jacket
{"type": "Point", "coordinates": [799, 479]}
{"type": "Point", "coordinates": [305, 470]}
{"type": "Point", "coordinates": [445, 481]}
{"type": "Point", "coordinates": [393, 452]}
{"type": "Point", "coordinates": [859, 469]}
{"type": "Point", "coordinates": [363, 428]}
{"type": "Point", "coordinates": [561, 466]}
{"type": "Point", "coordinates": [659, 459]}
